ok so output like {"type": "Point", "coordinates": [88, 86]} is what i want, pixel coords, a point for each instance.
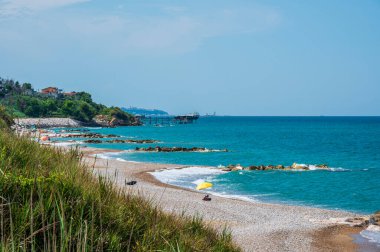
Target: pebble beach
{"type": "Point", "coordinates": [254, 226]}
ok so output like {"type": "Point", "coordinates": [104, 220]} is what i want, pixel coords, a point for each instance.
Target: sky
{"type": "Point", "coordinates": [230, 57]}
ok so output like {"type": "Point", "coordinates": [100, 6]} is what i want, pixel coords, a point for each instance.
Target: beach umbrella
{"type": "Point", "coordinates": [45, 138]}
{"type": "Point", "coordinates": [203, 185]}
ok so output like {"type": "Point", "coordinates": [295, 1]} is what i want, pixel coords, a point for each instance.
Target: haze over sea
{"type": "Point", "coordinates": [350, 145]}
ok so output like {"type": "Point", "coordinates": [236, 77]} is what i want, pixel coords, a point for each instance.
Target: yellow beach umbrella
{"type": "Point", "coordinates": [203, 185]}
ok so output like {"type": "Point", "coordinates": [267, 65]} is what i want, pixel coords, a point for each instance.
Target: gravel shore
{"type": "Point", "coordinates": [254, 226]}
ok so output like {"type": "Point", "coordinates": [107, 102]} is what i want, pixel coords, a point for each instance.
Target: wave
{"type": "Point", "coordinates": [176, 175]}
{"type": "Point", "coordinates": [114, 156]}
{"type": "Point", "coordinates": [316, 168]}
{"type": "Point", "coordinates": [372, 233]}
{"type": "Point", "coordinates": [64, 143]}
{"type": "Point", "coordinates": [235, 196]}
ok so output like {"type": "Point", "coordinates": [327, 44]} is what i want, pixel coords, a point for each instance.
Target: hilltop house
{"type": "Point", "coordinates": [51, 91]}
{"type": "Point", "coordinates": [70, 93]}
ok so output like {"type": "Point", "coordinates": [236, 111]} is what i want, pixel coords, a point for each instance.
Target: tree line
{"type": "Point", "coordinates": [22, 100]}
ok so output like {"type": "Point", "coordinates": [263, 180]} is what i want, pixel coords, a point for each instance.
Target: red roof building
{"type": "Point", "coordinates": [50, 90]}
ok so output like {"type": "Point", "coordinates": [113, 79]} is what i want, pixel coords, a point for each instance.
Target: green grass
{"type": "Point", "coordinates": [50, 202]}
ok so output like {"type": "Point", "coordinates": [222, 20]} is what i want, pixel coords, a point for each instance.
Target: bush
{"type": "Point", "coordinates": [49, 201]}
{"type": "Point", "coordinates": [6, 120]}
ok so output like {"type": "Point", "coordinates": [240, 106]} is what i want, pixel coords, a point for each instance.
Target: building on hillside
{"type": "Point", "coordinates": [70, 93]}
{"type": "Point", "coordinates": [51, 91]}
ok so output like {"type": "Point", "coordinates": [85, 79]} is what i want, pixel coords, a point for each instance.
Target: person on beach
{"type": "Point", "coordinates": [207, 198]}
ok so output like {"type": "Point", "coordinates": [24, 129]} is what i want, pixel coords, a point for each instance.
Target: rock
{"type": "Point", "coordinates": [48, 122]}
{"type": "Point", "coordinates": [173, 149]}
{"type": "Point", "coordinates": [299, 166]}
{"type": "Point", "coordinates": [93, 141]}
{"type": "Point", "coordinates": [322, 166]}
{"type": "Point", "coordinates": [269, 167]}
{"type": "Point", "coordinates": [280, 167]}
{"type": "Point", "coordinates": [358, 221]}
{"type": "Point", "coordinates": [252, 168]}
{"type": "Point", "coordinates": [112, 121]}
{"type": "Point", "coordinates": [375, 218]}
{"type": "Point", "coordinates": [144, 141]}
{"type": "Point", "coordinates": [90, 135]}
{"type": "Point", "coordinates": [237, 168]}
{"type": "Point", "coordinates": [226, 169]}
{"type": "Point", "coordinates": [261, 167]}
{"type": "Point", "coordinates": [133, 182]}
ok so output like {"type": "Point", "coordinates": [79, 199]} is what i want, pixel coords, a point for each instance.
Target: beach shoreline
{"type": "Point", "coordinates": [255, 226]}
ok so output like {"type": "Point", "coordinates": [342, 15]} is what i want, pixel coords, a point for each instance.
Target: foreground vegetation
{"type": "Point", "coordinates": [49, 201]}
{"type": "Point", "coordinates": [23, 101]}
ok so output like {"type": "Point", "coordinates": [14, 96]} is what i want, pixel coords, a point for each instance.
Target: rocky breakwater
{"type": "Point", "coordinates": [129, 141]}
{"type": "Point", "coordinates": [294, 166]}
{"type": "Point", "coordinates": [90, 135]}
{"type": "Point", "coordinates": [48, 122]}
{"type": "Point", "coordinates": [176, 149]}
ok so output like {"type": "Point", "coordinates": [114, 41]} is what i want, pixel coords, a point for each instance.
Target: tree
{"type": "Point", "coordinates": [26, 86]}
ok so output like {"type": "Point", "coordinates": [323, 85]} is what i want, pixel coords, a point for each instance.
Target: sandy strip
{"type": "Point", "coordinates": [254, 226]}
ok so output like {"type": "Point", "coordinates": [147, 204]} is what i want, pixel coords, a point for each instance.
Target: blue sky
{"type": "Point", "coordinates": [232, 57]}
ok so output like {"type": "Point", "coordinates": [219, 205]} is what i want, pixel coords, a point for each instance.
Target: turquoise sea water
{"type": "Point", "coordinates": [351, 145]}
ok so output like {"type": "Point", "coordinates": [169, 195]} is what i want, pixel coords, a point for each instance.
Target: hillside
{"type": "Point", "coordinates": [51, 202]}
{"type": "Point", "coordinates": [23, 101]}
{"type": "Point", "coordinates": [145, 112]}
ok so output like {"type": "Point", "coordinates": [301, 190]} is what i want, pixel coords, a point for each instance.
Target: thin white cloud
{"type": "Point", "coordinates": [125, 33]}
{"type": "Point", "coordinates": [14, 7]}
{"type": "Point", "coordinates": [170, 34]}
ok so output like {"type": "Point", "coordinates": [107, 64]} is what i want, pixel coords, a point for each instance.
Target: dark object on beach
{"type": "Point", "coordinates": [207, 198]}
{"type": "Point", "coordinates": [133, 182]}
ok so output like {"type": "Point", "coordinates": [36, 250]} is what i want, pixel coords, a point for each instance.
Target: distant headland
{"type": "Point", "coordinates": [23, 101]}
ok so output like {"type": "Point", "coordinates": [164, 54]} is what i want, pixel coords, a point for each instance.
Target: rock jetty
{"type": "Point", "coordinates": [48, 122]}
{"type": "Point", "coordinates": [294, 166]}
{"type": "Point", "coordinates": [132, 141]}
{"type": "Point", "coordinates": [90, 135]}
{"type": "Point", "coordinates": [177, 149]}
{"type": "Point", "coordinates": [143, 141]}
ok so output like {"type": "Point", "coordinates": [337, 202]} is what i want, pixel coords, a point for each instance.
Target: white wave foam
{"type": "Point", "coordinates": [173, 175]}
{"type": "Point", "coordinates": [339, 169]}
{"type": "Point", "coordinates": [64, 143]}
{"type": "Point", "coordinates": [372, 233]}
{"type": "Point", "coordinates": [113, 156]}
{"type": "Point", "coordinates": [233, 196]}
{"type": "Point", "coordinates": [198, 181]}
{"type": "Point", "coordinates": [316, 168]}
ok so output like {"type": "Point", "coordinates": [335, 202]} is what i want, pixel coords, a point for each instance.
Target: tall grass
{"type": "Point", "coordinates": [50, 202]}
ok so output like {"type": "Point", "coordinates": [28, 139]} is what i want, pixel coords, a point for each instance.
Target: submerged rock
{"type": "Point", "coordinates": [93, 141]}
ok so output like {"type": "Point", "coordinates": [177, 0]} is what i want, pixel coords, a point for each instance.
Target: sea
{"type": "Point", "coordinates": [350, 146]}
